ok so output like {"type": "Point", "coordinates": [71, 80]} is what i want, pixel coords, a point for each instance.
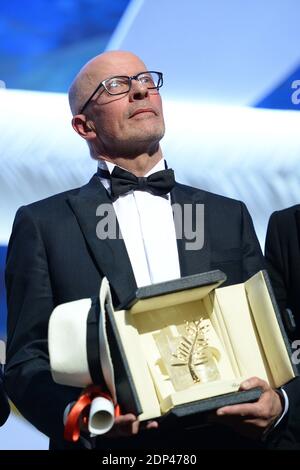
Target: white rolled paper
{"type": "Point", "coordinates": [101, 417]}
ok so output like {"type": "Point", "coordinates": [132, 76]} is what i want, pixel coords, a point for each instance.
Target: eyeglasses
{"type": "Point", "coordinates": [121, 84]}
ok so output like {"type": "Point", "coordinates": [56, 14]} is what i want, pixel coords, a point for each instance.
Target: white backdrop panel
{"type": "Point", "coordinates": [245, 153]}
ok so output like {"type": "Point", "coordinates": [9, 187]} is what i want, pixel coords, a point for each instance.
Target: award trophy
{"type": "Point", "coordinates": [186, 355]}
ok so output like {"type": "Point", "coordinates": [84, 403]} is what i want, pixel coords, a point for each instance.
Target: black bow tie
{"type": "Point", "coordinates": [122, 181]}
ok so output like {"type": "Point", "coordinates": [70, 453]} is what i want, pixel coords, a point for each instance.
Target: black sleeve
{"type": "Point", "coordinates": [28, 379]}
{"type": "Point", "coordinates": [286, 435]}
{"type": "Point", "coordinates": [274, 261]}
{"type": "Point", "coordinates": [253, 260]}
{"type": "Point", "coordinates": [4, 406]}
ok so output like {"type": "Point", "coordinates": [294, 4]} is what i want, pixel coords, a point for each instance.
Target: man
{"type": "Point", "coordinates": [283, 261]}
{"type": "Point", "coordinates": [56, 254]}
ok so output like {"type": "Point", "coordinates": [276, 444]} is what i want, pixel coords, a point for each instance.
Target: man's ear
{"type": "Point", "coordinates": [84, 128]}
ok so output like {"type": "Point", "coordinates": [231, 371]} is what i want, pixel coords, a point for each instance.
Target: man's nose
{"type": "Point", "coordinates": [138, 91]}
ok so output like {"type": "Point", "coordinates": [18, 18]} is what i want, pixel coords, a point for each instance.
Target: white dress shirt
{"type": "Point", "coordinates": [147, 226]}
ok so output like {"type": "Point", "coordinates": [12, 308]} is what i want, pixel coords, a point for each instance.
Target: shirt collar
{"type": "Point", "coordinates": [109, 166]}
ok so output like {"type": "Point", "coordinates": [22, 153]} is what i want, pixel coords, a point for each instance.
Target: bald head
{"type": "Point", "coordinates": [98, 69]}
{"type": "Point", "coordinates": [124, 126]}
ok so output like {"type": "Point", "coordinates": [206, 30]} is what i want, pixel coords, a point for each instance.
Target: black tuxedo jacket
{"type": "Point", "coordinates": [54, 256]}
{"type": "Point", "coordinates": [282, 253]}
{"type": "Point", "coordinates": [4, 406]}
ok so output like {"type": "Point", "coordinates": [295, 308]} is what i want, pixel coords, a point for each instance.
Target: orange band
{"type": "Point", "coordinates": [80, 412]}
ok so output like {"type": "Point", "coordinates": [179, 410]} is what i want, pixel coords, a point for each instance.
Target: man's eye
{"type": "Point", "coordinates": [115, 83]}
{"type": "Point", "coordinates": [146, 79]}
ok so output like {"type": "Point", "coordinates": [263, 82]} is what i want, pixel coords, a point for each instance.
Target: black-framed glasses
{"type": "Point", "coordinates": [121, 84]}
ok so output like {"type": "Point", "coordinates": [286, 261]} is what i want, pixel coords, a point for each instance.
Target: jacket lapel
{"type": "Point", "coordinates": [109, 254]}
{"type": "Point", "coordinates": [191, 259]}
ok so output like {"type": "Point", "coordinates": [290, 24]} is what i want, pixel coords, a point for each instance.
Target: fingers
{"type": "Point", "coordinates": [129, 425]}
{"type": "Point", "coordinates": [125, 419]}
{"type": "Point", "coordinates": [254, 382]}
{"type": "Point", "coordinates": [125, 425]}
{"type": "Point", "coordinates": [252, 418]}
{"type": "Point", "coordinates": [257, 409]}
{"type": "Point", "coordinates": [151, 425]}
{"type": "Point", "coordinates": [254, 410]}
{"type": "Point", "coordinates": [245, 409]}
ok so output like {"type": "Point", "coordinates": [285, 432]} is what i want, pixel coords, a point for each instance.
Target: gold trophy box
{"type": "Point", "coordinates": [182, 348]}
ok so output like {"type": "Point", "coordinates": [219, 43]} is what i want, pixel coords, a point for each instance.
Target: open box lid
{"type": "Point", "coordinates": [166, 293]}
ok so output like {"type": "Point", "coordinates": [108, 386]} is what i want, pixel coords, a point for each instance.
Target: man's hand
{"type": "Point", "coordinates": [252, 419]}
{"type": "Point", "coordinates": [129, 425]}
{"type": "Point", "coordinates": [124, 426]}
